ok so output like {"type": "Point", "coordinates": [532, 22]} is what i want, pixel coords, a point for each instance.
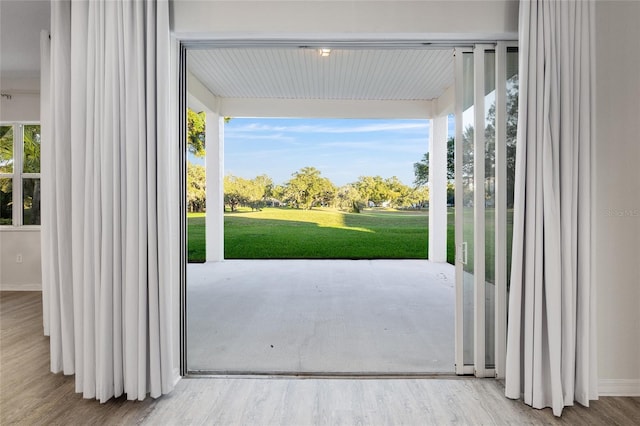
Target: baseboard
{"type": "Point", "coordinates": [20, 287]}
{"type": "Point", "coordinates": [619, 387]}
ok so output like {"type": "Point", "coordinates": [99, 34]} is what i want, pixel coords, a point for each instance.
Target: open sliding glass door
{"type": "Point", "coordinates": [483, 182]}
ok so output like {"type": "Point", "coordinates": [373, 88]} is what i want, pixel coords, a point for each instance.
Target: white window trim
{"type": "Point", "coordinates": [17, 177]}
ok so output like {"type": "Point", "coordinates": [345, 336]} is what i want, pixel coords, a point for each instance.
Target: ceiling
{"type": "Point", "coordinates": [20, 26]}
{"type": "Point", "coordinates": [346, 74]}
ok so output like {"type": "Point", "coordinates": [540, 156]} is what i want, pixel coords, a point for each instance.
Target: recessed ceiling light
{"type": "Point", "coordinates": [325, 52]}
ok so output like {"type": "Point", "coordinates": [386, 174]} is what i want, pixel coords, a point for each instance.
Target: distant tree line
{"type": "Point", "coordinates": [307, 189]}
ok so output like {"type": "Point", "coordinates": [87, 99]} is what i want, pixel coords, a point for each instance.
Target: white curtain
{"type": "Point", "coordinates": [110, 197]}
{"type": "Point", "coordinates": [551, 345]}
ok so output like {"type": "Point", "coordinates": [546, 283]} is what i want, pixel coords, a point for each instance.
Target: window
{"type": "Point", "coordinates": [19, 174]}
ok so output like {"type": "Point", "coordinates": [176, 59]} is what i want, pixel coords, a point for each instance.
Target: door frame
{"type": "Point", "coordinates": [478, 368]}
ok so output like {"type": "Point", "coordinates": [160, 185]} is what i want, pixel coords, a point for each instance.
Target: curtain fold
{"type": "Point", "coordinates": [46, 188]}
{"type": "Point", "coordinates": [110, 255]}
{"type": "Point", "coordinates": [551, 356]}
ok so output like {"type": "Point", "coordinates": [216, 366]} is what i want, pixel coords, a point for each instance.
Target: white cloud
{"type": "Point", "coordinates": [275, 137]}
{"type": "Point", "coordinates": [366, 128]}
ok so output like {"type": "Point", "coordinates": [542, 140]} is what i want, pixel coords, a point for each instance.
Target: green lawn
{"type": "Point", "coordinates": [196, 238]}
{"type": "Point", "coordinates": [283, 233]}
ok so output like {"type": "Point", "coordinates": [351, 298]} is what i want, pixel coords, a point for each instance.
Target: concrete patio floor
{"type": "Point", "coordinates": [321, 316]}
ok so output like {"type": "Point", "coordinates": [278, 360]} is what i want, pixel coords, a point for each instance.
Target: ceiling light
{"type": "Point", "coordinates": [324, 52]}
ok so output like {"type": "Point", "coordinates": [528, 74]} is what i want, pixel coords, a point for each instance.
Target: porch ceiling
{"type": "Point", "coordinates": [346, 74]}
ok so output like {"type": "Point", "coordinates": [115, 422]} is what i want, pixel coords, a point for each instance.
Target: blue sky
{"type": "Point", "coordinates": [342, 149]}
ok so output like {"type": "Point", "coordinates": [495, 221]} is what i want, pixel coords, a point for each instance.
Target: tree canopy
{"type": "Point", "coordinates": [196, 187]}
{"type": "Point", "coordinates": [252, 193]}
{"type": "Point", "coordinates": [421, 168]}
{"type": "Point", "coordinates": [196, 131]}
{"type": "Point", "coordinates": [307, 188]}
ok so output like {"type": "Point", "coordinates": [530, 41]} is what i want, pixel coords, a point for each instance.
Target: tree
{"type": "Point", "coordinates": [278, 192]}
{"type": "Point", "coordinates": [6, 166]}
{"type": "Point", "coordinates": [348, 198]}
{"type": "Point", "coordinates": [196, 187]}
{"type": "Point", "coordinates": [451, 158]}
{"type": "Point", "coordinates": [6, 149]}
{"type": "Point", "coordinates": [421, 168]}
{"type": "Point", "coordinates": [264, 189]}
{"type": "Point", "coordinates": [451, 193]}
{"type": "Point", "coordinates": [327, 195]}
{"type": "Point", "coordinates": [196, 132]}
{"type": "Point", "coordinates": [373, 189]}
{"type": "Point", "coordinates": [421, 171]}
{"type": "Point", "coordinates": [420, 196]}
{"type": "Point", "coordinates": [307, 188]}
{"type": "Point", "coordinates": [512, 130]}
{"type": "Point", "coordinates": [234, 191]}
{"type": "Point", "coordinates": [398, 194]}
{"type": "Point", "coordinates": [239, 191]}
{"type": "Point", "coordinates": [257, 190]}
{"type": "Point", "coordinates": [30, 164]}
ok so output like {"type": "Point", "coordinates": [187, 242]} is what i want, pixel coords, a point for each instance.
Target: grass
{"type": "Point", "coordinates": [196, 237]}
{"type": "Point", "coordinates": [283, 233]}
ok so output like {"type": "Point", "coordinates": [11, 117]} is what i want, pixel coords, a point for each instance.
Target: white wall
{"type": "Point", "coordinates": [20, 25]}
{"type": "Point", "coordinates": [27, 274]}
{"type": "Point", "coordinates": [437, 19]}
{"type": "Point", "coordinates": [24, 105]}
{"type": "Point", "coordinates": [617, 192]}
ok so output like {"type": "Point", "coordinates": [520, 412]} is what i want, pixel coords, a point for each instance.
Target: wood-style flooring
{"type": "Point", "coordinates": [30, 394]}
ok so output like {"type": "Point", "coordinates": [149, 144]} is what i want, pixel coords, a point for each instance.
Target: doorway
{"type": "Point", "coordinates": [346, 359]}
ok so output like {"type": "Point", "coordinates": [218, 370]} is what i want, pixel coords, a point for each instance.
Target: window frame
{"type": "Point", "coordinates": [18, 176]}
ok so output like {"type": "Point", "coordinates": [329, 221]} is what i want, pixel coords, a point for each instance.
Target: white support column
{"type": "Point", "coordinates": [438, 190]}
{"type": "Point", "coordinates": [215, 187]}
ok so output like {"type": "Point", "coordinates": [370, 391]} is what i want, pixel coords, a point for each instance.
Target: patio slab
{"type": "Point", "coordinates": [321, 316]}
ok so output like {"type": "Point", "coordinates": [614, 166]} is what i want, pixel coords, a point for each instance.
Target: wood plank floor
{"type": "Point", "coordinates": [30, 394]}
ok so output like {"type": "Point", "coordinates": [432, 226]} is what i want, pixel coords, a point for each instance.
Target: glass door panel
{"type": "Point", "coordinates": [486, 121]}
{"type": "Point", "coordinates": [467, 185]}
{"type": "Point", "coordinates": [489, 203]}
{"type": "Point", "coordinates": [512, 127]}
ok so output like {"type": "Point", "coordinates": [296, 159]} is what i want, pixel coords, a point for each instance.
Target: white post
{"type": "Point", "coordinates": [215, 187]}
{"type": "Point", "coordinates": [438, 190]}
